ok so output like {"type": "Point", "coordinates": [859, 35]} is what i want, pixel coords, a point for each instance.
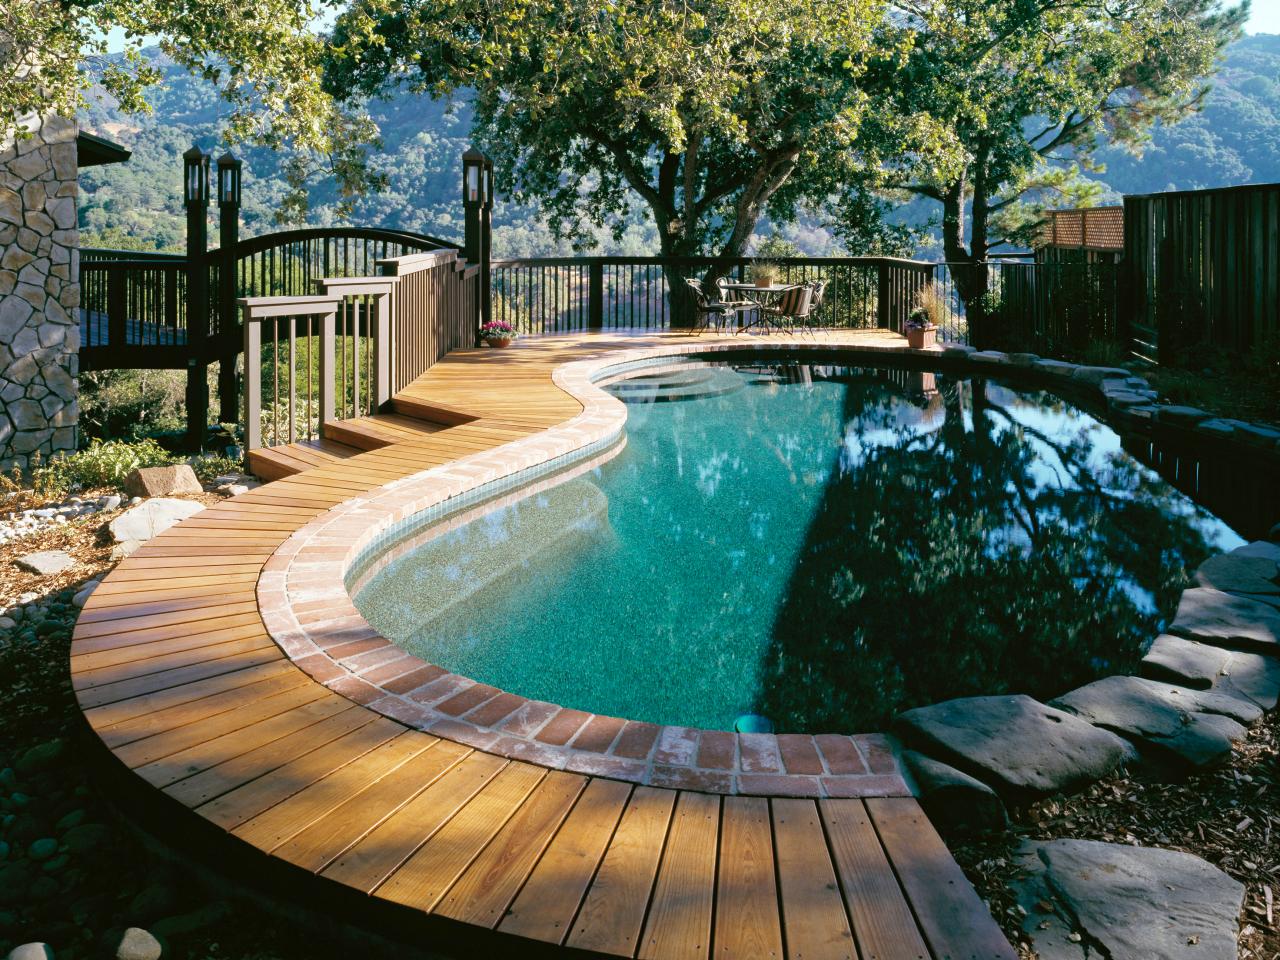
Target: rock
{"type": "Point", "coordinates": [1016, 745]}
{"type": "Point", "coordinates": [209, 915]}
{"type": "Point", "coordinates": [42, 849]}
{"type": "Point", "coordinates": [1259, 548]}
{"type": "Point", "coordinates": [110, 502]}
{"type": "Point", "coordinates": [1233, 573]}
{"type": "Point", "coordinates": [162, 481]}
{"type": "Point", "coordinates": [957, 350]}
{"type": "Point", "coordinates": [86, 837]}
{"type": "Point", "coordinates": [1126, 903]}
{"type": "Point", "coordinates": [989, 356]}
{"type": "Point", "coordinates": [154, 900]}
{"type": "Point", "coordinates": [40, 756]}
{"type": "Point", "coordinates": [138, 944]}
{"type": "Point", "coordinates": [148, 519]}
{"type": "Point", "coordinates": [1097, 375]}
{"type": "Point", "coordinates": [954, 801]}
{"type": "Point", "coordinates": [31, 951]}
{"type": "Point", "coordinates": [1168, 723]}
{"type": "Point", "coordinates": [47, 563]}
{"type": "Point", "coordinates": [82, 595]}
{"type": "Point", "coordinates": [1236, 673]}
{"type": "Point", "coordinates": [1186, 416]}
{"type": "Point", "coordinates": [1212, 616]}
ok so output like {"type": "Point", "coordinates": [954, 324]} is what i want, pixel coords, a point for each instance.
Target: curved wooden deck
{"type": "Point", "coordinates": [177, 676]}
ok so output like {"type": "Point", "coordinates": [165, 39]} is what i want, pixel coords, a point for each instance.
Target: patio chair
{"type": "Point", "coordinates": [792, 306]}
{"type": "Point", "coordinates": [818, 290]}
{"type": "Point", "coordinates": [726, 298]}
{"type": "Point", "coordinates": [708, 310]}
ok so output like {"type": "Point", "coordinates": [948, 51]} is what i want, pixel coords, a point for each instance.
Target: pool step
{"type": "Point", "coordinates": [693, 383]}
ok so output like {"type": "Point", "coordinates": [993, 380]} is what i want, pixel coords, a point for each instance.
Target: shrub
{"type": "Point", "coordinates": [104, 463]}
{"type": "Point", "coordinates": [212, 465]}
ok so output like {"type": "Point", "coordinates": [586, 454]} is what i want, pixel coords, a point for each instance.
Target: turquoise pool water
{"type": "Point", "coordinates": [824, 546]}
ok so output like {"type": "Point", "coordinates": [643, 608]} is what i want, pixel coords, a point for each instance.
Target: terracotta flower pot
{"type": "Point", "coordinates": [920, 337]}
{"type": "Point", "coordinates": [499, 341]}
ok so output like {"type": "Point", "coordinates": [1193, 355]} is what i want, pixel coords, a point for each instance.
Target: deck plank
{"type": "Point", "coordinates": [883, 924]}
{"type": "Point", "coordinates": [546, 906]}
{"type": "Point", "coordinates": [747, 920]}
{"type": "Point", "coordinates": [813, 913]}
{"type": "Point", "coordinates": [613, 913]}
{"type": "Point", "coordinates": [679, 923]}
{"type": "Point", "coordinates": [954, 920]}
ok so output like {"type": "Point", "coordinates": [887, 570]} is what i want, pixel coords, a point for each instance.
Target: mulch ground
{"type": "Point", "coordinates": [1230, 817]}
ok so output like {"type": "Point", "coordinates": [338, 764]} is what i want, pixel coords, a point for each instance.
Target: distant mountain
{"type": "Point", "coordinates": [1233, 140]}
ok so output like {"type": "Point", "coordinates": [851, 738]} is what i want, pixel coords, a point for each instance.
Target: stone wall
{"type": "Point", "coordinates": [39, 292]}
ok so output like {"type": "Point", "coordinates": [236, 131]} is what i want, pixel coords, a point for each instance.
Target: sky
{"type": "Point", "coordinates": [1265, 18]}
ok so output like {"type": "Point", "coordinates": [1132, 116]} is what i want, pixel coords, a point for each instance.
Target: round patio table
{"type": "Point", "coordinates": [761, 296]}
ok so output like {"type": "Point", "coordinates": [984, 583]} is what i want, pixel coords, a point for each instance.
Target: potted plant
{"type": "Point", "coordinates": [920, 332]}
{"type": "Point", "coordinates": [498, 333]}
{"type": "Point", "coordinates": [765, 273]}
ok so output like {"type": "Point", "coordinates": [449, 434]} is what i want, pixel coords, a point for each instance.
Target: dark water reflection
{"type": "Point", "coordinates": [999, 545]}
{"type": "Point", "coordinates": [825, 546]}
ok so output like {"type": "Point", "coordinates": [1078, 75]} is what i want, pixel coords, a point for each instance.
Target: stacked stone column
{"type": "Point", "coordinates": [39, 292]}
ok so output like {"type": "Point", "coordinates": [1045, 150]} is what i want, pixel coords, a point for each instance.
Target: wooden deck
{"type": "Point", "coordinates": [177, 676]}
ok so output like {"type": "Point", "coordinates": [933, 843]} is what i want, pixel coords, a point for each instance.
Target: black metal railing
{"type": "Point", "coordinates": [561, 294]}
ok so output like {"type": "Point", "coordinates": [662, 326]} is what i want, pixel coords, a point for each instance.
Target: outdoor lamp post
{"type": "Point", "coordinates": [472, 200]}
{"type": "Point", "coordinates": [195, 194]}
{"type": "Point", "coordinates": [229, 176]}
{"type": "Point", "coordinates": [229, 180]}
{"type": "Point", "coordinates": [486, 237]}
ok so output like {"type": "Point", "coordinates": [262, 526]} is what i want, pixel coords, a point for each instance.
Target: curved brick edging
{"type": "Point", "coordinates": [308, 610]}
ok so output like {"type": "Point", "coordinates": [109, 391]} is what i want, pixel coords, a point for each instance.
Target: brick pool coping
{"type": "Point", "coordinates": [308, 610]}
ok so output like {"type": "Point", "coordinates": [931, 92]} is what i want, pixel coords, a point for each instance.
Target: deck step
{"type": "Point", "coordinates": [276, 463]}
{"type": "Point", "coordinates": [381, 430]}
{"type": "Point", "coordinates": [429, 410]}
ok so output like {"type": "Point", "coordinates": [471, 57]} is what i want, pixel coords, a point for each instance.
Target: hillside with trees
{"type": "Point", "coordinates": [1231, 141]}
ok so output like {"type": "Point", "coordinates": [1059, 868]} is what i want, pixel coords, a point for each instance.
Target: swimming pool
{"type": "Point", "coordinates": [822, 545]}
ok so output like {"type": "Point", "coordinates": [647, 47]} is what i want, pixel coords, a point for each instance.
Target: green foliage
{"type": "Point", "coordinates": [1030, 90]}
{"type": "Point", "coordinates": [709, 114]}
{"type": "Point", "coordinates": [104, 463]}
{"type": "Point", "coordinates": [209, 466]}
{"type": "Point", "coordinates": [131, 403]}
{"type": "Point", "coordinates": [263, 59]}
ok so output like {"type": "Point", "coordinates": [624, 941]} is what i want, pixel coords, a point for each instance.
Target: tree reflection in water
{"type": "Point", "coordinates": [986, 546]}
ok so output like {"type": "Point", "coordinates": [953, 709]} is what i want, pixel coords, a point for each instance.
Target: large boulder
{"type": "Point", "coordinates": [1085, 899]}
{"type": "Point", "coordinates": [1212, 616]}
{"type": "Point", "coordinates": [1172, 726]}
{"type": "Point", "coordinates": [162, 481]}
{"type": "Point", "coordinates": [1236, 673]}
{"type": "Point", "coordinates": [1236, 573]}
{"type": "Point", "coordinates": [1014, 744]}
{"type": "Point", "coordinates": [955, 802]}
{"type": "Point", "coordinates": [150, 518]}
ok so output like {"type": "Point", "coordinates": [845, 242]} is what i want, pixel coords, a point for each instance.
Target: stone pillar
{"type": "Point", "coordinates": [39, 292]}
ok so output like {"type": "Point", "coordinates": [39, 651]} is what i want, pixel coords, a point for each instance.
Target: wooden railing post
{"type": "Point", "coordinates": [328, 323]}
{"type": "Point", "coordinates": [595, 295]}
{"type": "Point", "coordinates": [383, 307]}
{"type": "Point", "coordinates": [252, 381]}
{"type": "Point", "coordinates": [117, 308]}
{"type": "Point", "coordinates": [883, 316]}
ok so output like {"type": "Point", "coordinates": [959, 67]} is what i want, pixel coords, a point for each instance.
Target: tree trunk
{"type": "Point", "coordinates": [968, 265]}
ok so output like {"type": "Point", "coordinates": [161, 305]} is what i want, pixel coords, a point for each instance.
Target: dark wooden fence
{"type": "Point", "coordinates": [1203, 270]}
{"type": "Point", "coordinates": [551, 295]}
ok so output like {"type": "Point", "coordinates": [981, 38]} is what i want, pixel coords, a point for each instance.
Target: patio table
{"type": "Point", "coordinates": [761, 295]}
